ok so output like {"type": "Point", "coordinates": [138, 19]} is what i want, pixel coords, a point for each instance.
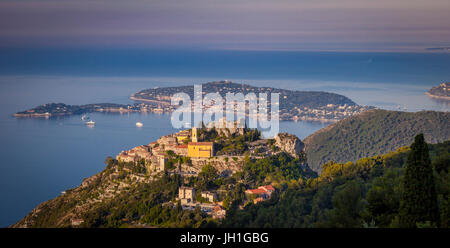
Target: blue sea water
{"type": "Point", "coordinates": [42, 157]}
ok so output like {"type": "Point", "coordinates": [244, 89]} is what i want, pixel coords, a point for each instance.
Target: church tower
{"type": "Point", "coordinates": [194, 134]}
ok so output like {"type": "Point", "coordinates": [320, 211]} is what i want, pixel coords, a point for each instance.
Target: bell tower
{"type": "Point", "coordinates": [194, 134]}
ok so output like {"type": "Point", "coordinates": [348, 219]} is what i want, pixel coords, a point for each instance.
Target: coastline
{"type": "Point", "coordinates": [437, 97]}
{"type": "Point", "coordinates": [47, 115]}
{"type": "Point", "coordinates": [137, 99]}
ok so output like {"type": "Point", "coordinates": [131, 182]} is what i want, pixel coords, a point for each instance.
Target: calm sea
{"type": "Point", "coordinates": [42, 157]}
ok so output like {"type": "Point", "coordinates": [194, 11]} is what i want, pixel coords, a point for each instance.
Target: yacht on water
{"type": "Point", "coordinates": [139, 124]}
{"type": "Point", "coordinates": [90, 123]}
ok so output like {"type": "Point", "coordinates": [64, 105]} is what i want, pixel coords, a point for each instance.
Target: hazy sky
{"type": "Point", "coordinates": [227, 24]}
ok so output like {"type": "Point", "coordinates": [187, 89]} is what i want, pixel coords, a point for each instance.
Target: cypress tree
{"type": "Point", "coordinates": [419, 200]}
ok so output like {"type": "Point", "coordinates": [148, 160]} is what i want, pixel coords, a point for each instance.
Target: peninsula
{"type": "Point", "coordinates": [440, 92]}
{"type": "Point", "coordinates": [294, 105]}
{"type": "Point", "coordinates": [61, 109]}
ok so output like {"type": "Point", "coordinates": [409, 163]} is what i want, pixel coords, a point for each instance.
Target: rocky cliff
{"type": "Point", "coordinates": [290, 144]}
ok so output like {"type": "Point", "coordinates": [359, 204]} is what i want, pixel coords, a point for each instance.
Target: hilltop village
{"type": "Point", "coordinates": [192, 151]}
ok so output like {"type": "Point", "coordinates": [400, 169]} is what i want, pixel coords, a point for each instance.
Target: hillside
{"type": "Point", "coordinates": [373, 132]}
{"type": "Point", "coordinates": [134, 190]}
{"type": "Point", "coordinates": [366, 193]}
{"type": "Point", "coordinates": [298, 98]}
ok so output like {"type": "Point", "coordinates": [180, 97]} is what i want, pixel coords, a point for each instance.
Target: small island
{"type": "Point", "coordinates": [440, 92]}
{"type": "Point", "coordinates": [61, 109]}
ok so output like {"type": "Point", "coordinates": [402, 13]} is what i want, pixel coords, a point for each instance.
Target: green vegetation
{"type": "Point", "coordinates": [419, 202]}
{"type": "Point", "coordinates": [64, 109]}
{"type": "Point", "coordinates": [367, 193]}
{"type": "Point", "coordinates": [408, 187]}
{"type": "Point", "coordinates": [279, 168]}
{"type": "Point", "coordinates": [231, 145]}
{"type": "Point", "coordinates": [374, 132]}
{"type": "Point", "coordinates": [296, 98]}
{"type": "Point", "coordinates": [143, 204]}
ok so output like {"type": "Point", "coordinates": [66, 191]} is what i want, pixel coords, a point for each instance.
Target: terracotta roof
{"type": "Point", "coordinates": [255, 191]}
{"type": "Point", "coordinates": [217, 208]}
{"type": "Point", "coordinates": [268, 187]}
{"type": "Point", "coordinates": [181, 146]}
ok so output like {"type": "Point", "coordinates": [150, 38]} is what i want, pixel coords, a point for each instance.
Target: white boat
{"type": "Point", "coordinates": [90, 123]}
{"type": "Point", "coordinates": [84, 117]}
{"type": "Point", "coordinates": [139, 124]}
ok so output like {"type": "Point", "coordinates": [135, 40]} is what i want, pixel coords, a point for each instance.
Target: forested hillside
{"type": "Point", "coordinates": [367, 193]}
{"type": "Point", "coordinates": [373, 132]}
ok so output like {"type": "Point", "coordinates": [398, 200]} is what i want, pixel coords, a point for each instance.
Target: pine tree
{"type": "Point", "coordinates": [419, 200]}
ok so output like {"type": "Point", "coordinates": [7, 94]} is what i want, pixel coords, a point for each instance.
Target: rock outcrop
{"type": "Point", "coordinates": [290, 144]}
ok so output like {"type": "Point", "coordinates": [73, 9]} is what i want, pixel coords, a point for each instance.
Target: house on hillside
{"type": "Point", "coordinates": [262, 193]}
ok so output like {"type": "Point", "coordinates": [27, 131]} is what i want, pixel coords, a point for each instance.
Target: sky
{"type": "Point", "coordinates": [329, 25]}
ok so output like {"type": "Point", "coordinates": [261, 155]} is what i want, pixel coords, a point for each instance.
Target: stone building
{"type": "Point", "coordinates": [162, 163]}
{"type": "Point", "coordinates": [186, 195]}
{"type": "Point", "coordinates": [261, 193]}
{"type": "Point", "coordinates": [182, 136]}
{"type": "Point", "coordinates": [210, 196]}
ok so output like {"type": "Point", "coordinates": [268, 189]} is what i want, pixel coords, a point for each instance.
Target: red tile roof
{"type": "Point", "coordinates": [268, 187]}
{"type": "Point", "coordinates": [256, 191]}
{"type": "Point", "coordinates": [217, 208]}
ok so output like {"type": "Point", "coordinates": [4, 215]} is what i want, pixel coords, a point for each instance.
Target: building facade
{"type": "Point", "coordinates": [200, 149]}
{"type": "Point", "coordinates": [186, 195]}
